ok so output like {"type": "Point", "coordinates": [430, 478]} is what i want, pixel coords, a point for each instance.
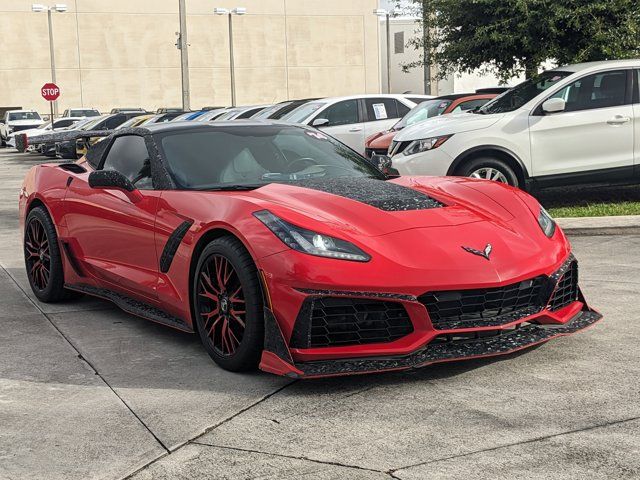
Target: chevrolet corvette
{"type": "Point", "coordinates": [282, 248]}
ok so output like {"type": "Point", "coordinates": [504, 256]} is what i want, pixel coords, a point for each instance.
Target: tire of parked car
{"type": "Point", "coordinates": [43, 258]}
{"type": "Point", "coordinates": [227, 305]}
{"type": "Point", "coordinates": [490, 168]}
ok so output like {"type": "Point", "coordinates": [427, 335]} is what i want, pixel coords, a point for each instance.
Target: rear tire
{"type": "Point", "coordinates": [227, 305]}
{"type": "Point", "coordinates": [490, 168]}
{"type": "Point", "coordinates": [42, 258]}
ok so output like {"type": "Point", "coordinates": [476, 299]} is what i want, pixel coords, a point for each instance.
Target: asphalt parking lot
{"type": "Point", "coordinates": [87, 391]}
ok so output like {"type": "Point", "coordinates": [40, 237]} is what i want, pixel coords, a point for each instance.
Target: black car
{"type": "Point", "coordinates": [67, 148]}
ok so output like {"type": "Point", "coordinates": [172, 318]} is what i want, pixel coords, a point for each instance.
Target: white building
{"type": "Point", "coordinates": [401, 30]}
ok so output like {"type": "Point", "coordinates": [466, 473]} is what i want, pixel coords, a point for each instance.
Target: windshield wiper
{"type": "Point", "coordinates": [223, 188]}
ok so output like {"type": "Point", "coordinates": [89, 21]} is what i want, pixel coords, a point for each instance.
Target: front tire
{"type": "Point", "coordinates": [489, 168]}
{"type": "Point", "coordinates": [42, 258]}
{"type": "Point", "coordinates": [227, 304]}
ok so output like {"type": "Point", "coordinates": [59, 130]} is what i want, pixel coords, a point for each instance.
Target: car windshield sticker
{"type": "Point", "coordinates": [380, 111]}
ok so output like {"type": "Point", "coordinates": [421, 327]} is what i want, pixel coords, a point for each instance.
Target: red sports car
{"type": "Point", "coordinates": [283, 248]}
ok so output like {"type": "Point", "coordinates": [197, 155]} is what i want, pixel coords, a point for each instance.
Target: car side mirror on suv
{"type": "Point", "coordinates": [554, 105]}
{"type": "Point", "coordinates": [320, 122]}
{"type": "Point", "coordinates": [115, 180]}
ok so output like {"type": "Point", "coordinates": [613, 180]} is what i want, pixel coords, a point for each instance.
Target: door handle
{"type": "Point", "coordinates": [355, 129]}
{"type": "Point", "coordinates": [618, 120]}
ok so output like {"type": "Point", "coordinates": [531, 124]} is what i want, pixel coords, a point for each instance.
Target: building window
{"type": "Point", "coordinates": [398, 42]}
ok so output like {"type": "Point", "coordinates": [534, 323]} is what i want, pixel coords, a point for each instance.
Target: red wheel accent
{"type": "Point", "coordinates": [37, 254]}
{"type": "Point", "coordinates": [220, 302]}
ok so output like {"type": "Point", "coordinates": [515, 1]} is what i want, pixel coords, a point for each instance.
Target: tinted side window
{"type": "Point", "coordinates": [381, 108]}
{"type": "Point", "coordinates": [129, 156]}
{"type": "Point", "coordinates": [402, 109]}
{"type": "Point", "coordinates": [342, 113]}
{"type": "Point", "coordinates": [113, 122]}
{"type": "Point", "coordinates": [636, 86]}
{"type": "Point", "coordinates": [600, 90]}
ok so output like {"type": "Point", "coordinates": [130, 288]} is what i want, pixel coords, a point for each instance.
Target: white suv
{"type": "Point", "coordinates": [352, 119]}
{"type": "Point", "coordinates": [17, 120]}
{"type": "Point", "coordinates": [573, 124]}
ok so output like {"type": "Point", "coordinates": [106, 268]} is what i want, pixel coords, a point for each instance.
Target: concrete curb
{"type": "Point", "coordinates": [617, 225]}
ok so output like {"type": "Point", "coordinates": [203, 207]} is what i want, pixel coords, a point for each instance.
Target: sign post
{"type": "Point", "coordinates": [50, 92]}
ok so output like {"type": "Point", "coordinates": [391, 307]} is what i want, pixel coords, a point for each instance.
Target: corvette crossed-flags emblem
{"type": "Point", "coordinates": [481, 253]}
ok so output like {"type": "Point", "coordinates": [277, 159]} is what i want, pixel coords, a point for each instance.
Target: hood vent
{"type": "Point", "coordinates": [380, 194]}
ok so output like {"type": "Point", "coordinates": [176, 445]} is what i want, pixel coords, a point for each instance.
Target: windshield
{"type": "Point", "coordinates": [302, 112]}
{"type": "Point", "coordinates": [249, 157]}
{"type": "Point", "coordinates": [266, 112]}
{"type": "Point", "coordinates": [517, 96]}
{"type": "Point", "coordinates": [92, 123]}
{"type": "Point", "coordinates": [423, 111]}
{"type": "Point", "coordinates": [84, 113]}
{"type": "Point", "coordinates": [24, 116]}
{"type": "Point", "coordinates": [211, 114]}
{"type": "Point", "coordinates": [228, 114]}
{"type": "Point", "coordinates": [81, 123]}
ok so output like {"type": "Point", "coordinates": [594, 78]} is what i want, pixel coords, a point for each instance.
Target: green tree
{"type": "Point", "coordinates": [510, 37]}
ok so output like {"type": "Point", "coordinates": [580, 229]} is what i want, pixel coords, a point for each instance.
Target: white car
{"type": "Point", "coordinates": [238, 113]}
{"type": "Point", "coordinates": [352, 119]}
{"type": "Point", "coordinates": [17, 120]}
{"type": "Point", "coordinates": [573, 124]}
{"type": "Point", "coordinates": [211, 114]}
{"type": "Point", "coordinates": [80, 112]}
{"type": "Point", "coordinates": [60, 123]}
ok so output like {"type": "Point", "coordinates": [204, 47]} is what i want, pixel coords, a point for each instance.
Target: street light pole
{"type": "Point", "coordinates": [184, 56]}
{"type": "Point", "coordinates": [381, 12]}
{"type": "Point", "coordinates": [231, 65]}
{"type": "Point", "coordinates": [229, 13]}
{"type": "Point", "coordinates": [388, 53]}
{"type": "Point", "coordinates": [60, 8]}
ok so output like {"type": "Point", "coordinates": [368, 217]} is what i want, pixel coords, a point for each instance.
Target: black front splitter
{"type": "Point", "coordinates": [508, 342]}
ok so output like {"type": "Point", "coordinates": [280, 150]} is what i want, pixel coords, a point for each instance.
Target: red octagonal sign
{"type": "Point", "coordinates": [50, 92]}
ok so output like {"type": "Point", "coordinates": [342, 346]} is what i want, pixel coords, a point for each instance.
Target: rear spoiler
{"type": "Point", "coordinates": [58, 137]}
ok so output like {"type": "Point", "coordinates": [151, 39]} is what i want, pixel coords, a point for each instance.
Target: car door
{"type": "Point", "coordinates": [636, 121]}
{"type": "Point", "coordinates": [344, 122]}
{"type": "Point", "coordinates": [381, 114]}
{"type": "Point", "coordinates": [112, 233]}
{"type": "Point", "coordinates": [593, 133]}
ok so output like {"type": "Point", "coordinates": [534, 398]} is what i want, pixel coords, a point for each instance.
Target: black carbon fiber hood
{"type": "Point", "coordinates": [380, 194]}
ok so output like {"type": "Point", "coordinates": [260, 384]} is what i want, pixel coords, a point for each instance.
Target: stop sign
{"type": "Point", "coordinates": [50, 92]}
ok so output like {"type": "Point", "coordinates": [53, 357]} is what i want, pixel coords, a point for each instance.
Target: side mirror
{"type": "Point", "coordinates": [381, 161]}
{"type": "Point", "coordinates": [320, 122]}
{"type": "Point", "coordinates": [554, 105]}
{"type": "Point", "coordinates": [115, 180]}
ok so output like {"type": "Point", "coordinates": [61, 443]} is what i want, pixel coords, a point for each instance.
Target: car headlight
{"type": "Point", "coordinates": [310, 242]}
{"type": "Point", "coordinates": [425, 144]}
{"type": "Point", "coordinates": [547, 224]}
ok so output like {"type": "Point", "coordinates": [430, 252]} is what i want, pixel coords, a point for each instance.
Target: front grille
{"type": "Point", "coordinates": [485, 307]}
{"type": "Point", "coordinates": [567, 289]}
{"type": "Point", "coordinates": [370, 152]}
{"type": "Point", "coordinates": [341, 321]}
